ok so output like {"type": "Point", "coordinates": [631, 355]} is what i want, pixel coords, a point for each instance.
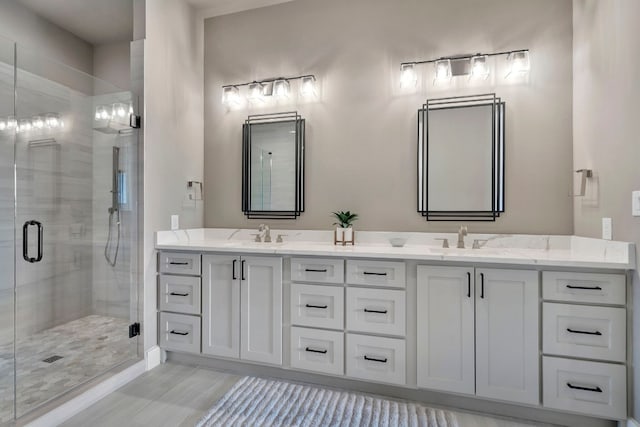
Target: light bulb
{"type": "Point", "coordinates": [408, 76]}
{"type": "Point", "coordinates": [37, 122]}
{"type": "Point", "coordinates": [281, 88]}
{"type": "Point", "coordinates": [102, 113]}
{"type": "Point", "coordinates": [518, 63]}
{"type": "Point", "coordinates": [479, 67]}
{"type": "Point", "coordinates": [256, 92]}
{"type": "Point", "coordinates": [118, 110]}
{"type": "Point", "coordinates": [53, 120]}
{"type": "Point", "coordinates": [443, 71]}
{"type": "Point", "coordinates": [12, 123]}
{"type": "Point", "coordinates": [3, 125]}
{"type": "Point", "coordinates": [24, 125]}
{"type": "Point", "coordinates": [308, 86]}
{"type": "Point", "coordinates": [230, 95]}
{"type": "Point", "coordinates": [130, 109]}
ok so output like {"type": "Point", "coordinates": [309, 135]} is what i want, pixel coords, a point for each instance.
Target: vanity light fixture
{"type": "Point", "coordinates": [443, 71]}
{"type": "Point", "coordinates": [230, 95]}
{"type": "Point", "coordinates": [479, 69]}
{"type": "Point", "coordinates": [518, 63]}
{"type": "Point", "coordinates": [256, 92]}
{"type": "Point", "coordinates": [24, 125]}
{"type": "Point", "coordinates": [118, 110]}
{"type": "Point", "coordinates": [53, 120]}
{"type": "Point", "coordinates": [37, 122]}
{"type": "Point", "coordinates": [102, 113]}
{"type": "Point", "coordinates": [3, 124]}
{"type": "Point", "coordinates": [276, 88]}
{"type": "Point", "coordinates": [12, 123]}
{"type": "Point", "coordinates": [308, 86]}
{"type": "Point", "coordinates": [281, 88]}
{"type": "Point", "coordinates": [408, 76]}
{"type": "Point", "coordinates": [475, 66]}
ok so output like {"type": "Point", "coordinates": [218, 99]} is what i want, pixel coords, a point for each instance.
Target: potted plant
{"type": "Point", "coordinates": [344, 230]}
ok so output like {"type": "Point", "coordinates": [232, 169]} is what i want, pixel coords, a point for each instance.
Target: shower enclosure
{"type": "Point", "coordinates": [68, 229]}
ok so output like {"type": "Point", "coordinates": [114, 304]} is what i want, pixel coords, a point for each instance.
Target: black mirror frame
{"type": "Point", "coordinates": [300, 165]}
{"type": "Point", "coordinates": [497, 164]}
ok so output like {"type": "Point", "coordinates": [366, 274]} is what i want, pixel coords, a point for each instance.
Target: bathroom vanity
{"type": "Point", "coordinates": [539, 321]}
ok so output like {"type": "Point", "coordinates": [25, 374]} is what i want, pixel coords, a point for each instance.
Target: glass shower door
{"type": "Point", "coordinates": [7, 212]}
{"type": "Point", "coordinates": [76, 229]}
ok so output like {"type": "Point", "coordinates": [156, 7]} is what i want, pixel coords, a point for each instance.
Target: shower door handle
{"type": "Point", "coordinates": [25, 241]}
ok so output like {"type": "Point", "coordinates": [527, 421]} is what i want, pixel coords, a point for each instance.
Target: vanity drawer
{"type": "Point", "coordinates": [180, 332]}
{"type": "Point", "coordinates": [376, 273]}
{"type": "Point", "coordinates": [180, 293]}
{"type": "Point", "coordinates": [317, 306]}
{"type": "Point", "coordinates": [317, 350]}
{"type": "Point", "coordinates": [584, 287]}
{"type": "Point", "coordinates": [378, 311]}
{"type": "Point", "coordinates": [584, 331]}
{"type": "Point", "coordinates": [376, 358]}
{"type": "Point", "coordinates": [588, 388]}
{"type": "Point", "coordinates": [318, 270]}
{"type": "Point", "coordinates": [180, 263]}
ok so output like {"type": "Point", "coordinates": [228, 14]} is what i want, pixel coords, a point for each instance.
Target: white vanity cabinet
{"type": "Point", "coordinates": [478, 332]}
{"type": "Point", "coordinates": [242, 307]}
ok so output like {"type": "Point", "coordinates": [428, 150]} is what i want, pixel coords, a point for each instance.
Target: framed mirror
{"type": "Point", "coordinates": [273, 166]}
{"type": "Point", "coordinates": [461, 162]}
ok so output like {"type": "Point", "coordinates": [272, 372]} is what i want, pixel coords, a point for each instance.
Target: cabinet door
{"type": "Point", "coordinates": [261, 309]}
{"type": "Point", "coordinates": [221, 305]}
{"type": "Point", "coordinates": [446, 329]}
{"type": "Point", "coordinates": [507, 334]}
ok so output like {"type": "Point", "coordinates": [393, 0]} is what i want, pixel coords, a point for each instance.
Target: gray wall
{"type": "Point", "coordinates": [112, 63]}
{"type": "Point", "coordinates": [173, 131]}
{"type": "Point", "coordinates": [20, 24]}
{"type": "Point", "coordinates": [606, 110]}
{"type": "Point", "coordinates": [361, 135]}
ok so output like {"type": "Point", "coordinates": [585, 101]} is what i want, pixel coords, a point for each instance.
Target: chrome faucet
{"type": "Point", "coordinates": [265, 233]}
{"type": "Point", "coordinates": [462, 231]}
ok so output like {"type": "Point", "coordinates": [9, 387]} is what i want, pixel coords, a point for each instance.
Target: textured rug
{"type": "Point", "coordinates": [261, 402]}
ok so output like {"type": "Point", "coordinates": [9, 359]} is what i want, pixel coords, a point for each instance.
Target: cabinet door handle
{"type": "Point", "coordinates": [178, 263]}
{"type": "Point", "coordinates": [242, 270]}
{"type": "Point", "coordinates": [482, 285]}
{"type": "Point", "coordinates": [316, 306]}
{"type": "Point", "coordinates": [468, 285]}
{"type": "Point", "coordinates": [316, 270]}
{"type": "Point", "coordinates": [373, 273]}
{"type": "Point", "coordinates": [179, 333]}
{"type": "Point", "coordinates": [575, 331]}
{"type": "Point", "coordinates": [593, 389]}
{"type": "Point", "coordinates": [179, 294]}
{"type": "Point", "coordinates": [371, 310]}
{"type": "Point", "coordinates": [313, 350]}
{"type": "Point", "coordinates": [591, 288]}
{"type": "Point", "coordinates": [375, 359]}
{"type": "Point", "coordinates": [233, 269]}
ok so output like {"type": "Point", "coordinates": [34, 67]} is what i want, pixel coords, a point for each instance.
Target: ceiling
{"type": "Point", "coordinates": [210, 8]}
{"type": "Point", "coordinates": [95, 21]}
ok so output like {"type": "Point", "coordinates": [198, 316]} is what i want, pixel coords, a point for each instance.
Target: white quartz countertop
{"type": "Point", "coordinates": [514, 249]}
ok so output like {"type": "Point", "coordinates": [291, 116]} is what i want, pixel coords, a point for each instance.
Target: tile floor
{"type": "Point", "coordinates": [89, 346]}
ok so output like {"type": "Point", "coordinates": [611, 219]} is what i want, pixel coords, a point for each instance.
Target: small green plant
{"type": "Point", "coordinates": [345, 219]}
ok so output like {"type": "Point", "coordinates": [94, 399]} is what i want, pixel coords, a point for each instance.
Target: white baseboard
{"type": "Point", "coordinates": [79, 403]}
{"type": "Point", "coordinates": [153, 357]}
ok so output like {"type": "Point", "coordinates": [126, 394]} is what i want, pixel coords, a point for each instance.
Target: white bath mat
{"type": "Point", "coordinates": [260, 402]}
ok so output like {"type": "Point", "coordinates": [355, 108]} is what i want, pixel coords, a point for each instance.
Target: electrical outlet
{"type": "Point", "coordinates": [635, 203]}
{"type": "Point", "coordinates": [607, 229]}
{"type": "Point", "coordinates": [175, 222]}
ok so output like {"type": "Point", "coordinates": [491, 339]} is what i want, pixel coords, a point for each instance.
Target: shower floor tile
{"type": "Point", "coordinates": [87, 347]}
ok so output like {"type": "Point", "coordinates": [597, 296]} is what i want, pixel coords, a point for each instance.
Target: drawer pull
{"type": "Point", "coordinates": [468, 285]}
{"type": "Point", "coordinates": [590, 288]}
{"type": "Point", "coordinates": [375, 359]}
{"type": "Point", "coordinates": [316, 270]}
{"type": "Point", "coordinates": [369, 310]}
{"type": "Point", "coordinates": [313, 350]}
{"type": "Point", "coordinates": [178, 263]}
{"type": "Point", "coordinates": [179, 333]}
{"type": "Point", "coordinates": [372, 273]}
{"type": "Point", "coordinates": [179, 294]}
{"type": "Point", "coordinates": [316, 306]}
{"type": "Point", "coordinates": [593, 389]}
{"type": "Point", "coordinates": [575, 331]}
